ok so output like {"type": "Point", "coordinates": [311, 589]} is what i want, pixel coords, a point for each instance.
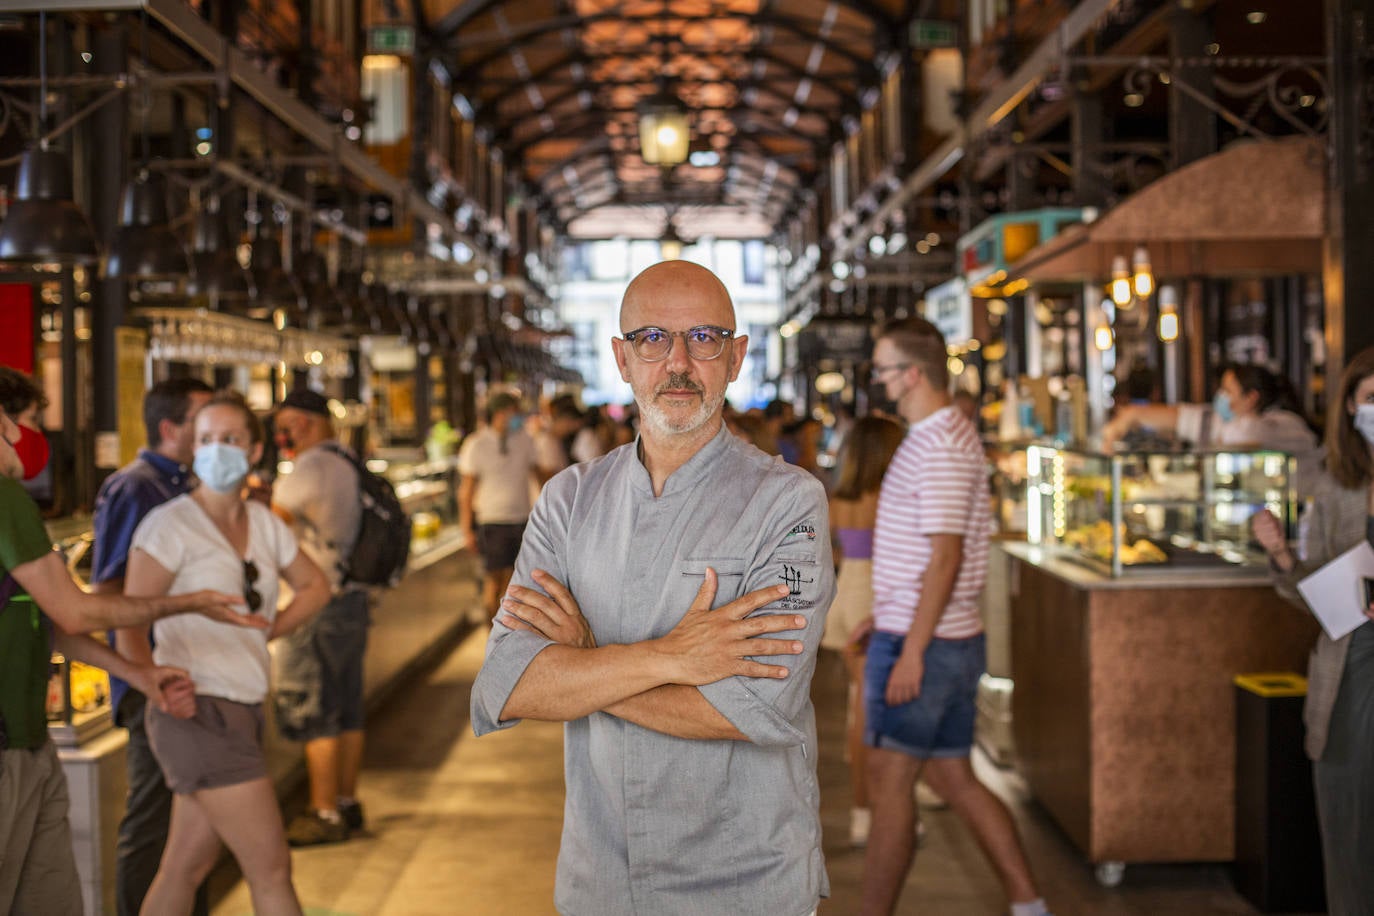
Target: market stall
{"type": "Point", "coordinates": [1135, 603]}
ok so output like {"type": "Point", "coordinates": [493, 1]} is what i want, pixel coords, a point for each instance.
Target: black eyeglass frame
{"type": "Point", "coordinates": [251, 596]}
{"type": "Point", "coordinates": [634, 339]}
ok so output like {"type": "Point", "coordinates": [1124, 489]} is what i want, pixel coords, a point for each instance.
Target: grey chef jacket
{"type": "Point", "coordinates": [655, 824]}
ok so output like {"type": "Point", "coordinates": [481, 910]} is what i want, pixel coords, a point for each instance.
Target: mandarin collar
{"type": "Point", "coordinates": [685, 477]}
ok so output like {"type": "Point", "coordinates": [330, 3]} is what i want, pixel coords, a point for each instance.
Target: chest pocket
{"type": "Point", "coordinates": [730, 576]}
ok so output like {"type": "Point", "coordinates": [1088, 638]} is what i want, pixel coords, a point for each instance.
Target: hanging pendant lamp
{"type": "Point", "coordinates": [145, 251]}
{"type": "Point", "coordinates": [44, 226]}
{"type": "Point", "coordinates": [216, 274]}
{"type": "Point", "coordinates": [279, 293]}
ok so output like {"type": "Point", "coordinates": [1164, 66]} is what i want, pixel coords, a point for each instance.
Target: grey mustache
{"type": "Point", "coordinates": [681, 380]}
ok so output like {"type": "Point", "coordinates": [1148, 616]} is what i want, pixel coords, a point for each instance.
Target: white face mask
{"type": "Point", "coordinates": [221, 467]}
{"type": "Point", "coordinates": [1364, 422]}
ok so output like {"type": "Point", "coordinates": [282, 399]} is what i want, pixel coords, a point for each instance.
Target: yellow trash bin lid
{"type": "Point", "coordinates": [1273, 684]}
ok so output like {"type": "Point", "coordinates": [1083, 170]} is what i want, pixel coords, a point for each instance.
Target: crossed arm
{"type": "Point", "coordinates": [651, 683]}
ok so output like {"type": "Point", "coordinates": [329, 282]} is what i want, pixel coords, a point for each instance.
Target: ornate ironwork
{"type": "Point", "coordinates": [1295, 90]}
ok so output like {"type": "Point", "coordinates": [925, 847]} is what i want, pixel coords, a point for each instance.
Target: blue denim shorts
{"type": "Point", "coordinates": [939, 722]}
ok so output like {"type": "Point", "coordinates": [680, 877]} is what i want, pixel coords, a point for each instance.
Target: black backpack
{"type": "Point", "coordinates": [383, 545]}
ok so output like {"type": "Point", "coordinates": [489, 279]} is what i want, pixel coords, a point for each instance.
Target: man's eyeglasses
{"type": "Point", "coordinates": [251, 596]}
{"type": "Point", "coordinates": [654, 344]}
{"type": "Point", "coordinates": [880, 371]}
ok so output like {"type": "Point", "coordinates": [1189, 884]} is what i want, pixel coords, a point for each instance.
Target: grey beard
{"type": "Point", "coordinates": [651, 415]}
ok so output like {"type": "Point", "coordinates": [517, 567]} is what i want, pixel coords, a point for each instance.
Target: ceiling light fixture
{"type": "Point", "coordinates": [1168, 314]}
{"type": "Point", "coordinates": [145, 251]}
{"type": "Point", "coordinates": [216, 273]}
{"type": "Point", "coordinates": [1121, 282]}
{"type": "Point", "coordinates": [44, 225]}
{"type": "Point", "coordinates": [664, 133]}
{"type": "Point", "coordinates": [1142, 278]}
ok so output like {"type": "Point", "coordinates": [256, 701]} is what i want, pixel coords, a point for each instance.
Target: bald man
{"type": "Point", "coordinates": [666, 605]}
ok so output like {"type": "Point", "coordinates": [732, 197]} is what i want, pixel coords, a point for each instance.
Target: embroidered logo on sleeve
{"type": "Point", "coordinates": [800, 531]}
{"type": "Point", "coordinates": [799, 595]}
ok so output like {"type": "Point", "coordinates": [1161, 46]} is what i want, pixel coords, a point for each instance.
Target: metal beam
{"type": "Point", "coordinates": [219, 51]}
{"type": "Point", "coordinates": [997, 105]}
{"type": "Point", "coordinates": [460, 16]}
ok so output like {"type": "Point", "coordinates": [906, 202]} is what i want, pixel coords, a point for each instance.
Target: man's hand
{"type": "Point", "coordinates": [170, 689]}
{"type": "Point", "coordinates": [707, 646]}
{"type": "Point", "coordinates": [904, 682]}
{"type": "Point", "coordinates": [556, 616]}
{"type": "Point", "coordinates": [219, 607]}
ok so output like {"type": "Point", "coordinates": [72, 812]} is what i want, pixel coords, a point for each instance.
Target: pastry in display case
{"type": "Point", "coordinates": [1135, 512]}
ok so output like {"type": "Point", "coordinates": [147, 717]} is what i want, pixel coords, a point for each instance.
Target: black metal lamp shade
{"type": "Point", "coordinates": [144, 247]}
{"type": "Point", "coordinates": [216, 274]}
{"type": "Point", "coordinates": [277, 290]}
{"type": "Point", "coordinates": [44, 225]}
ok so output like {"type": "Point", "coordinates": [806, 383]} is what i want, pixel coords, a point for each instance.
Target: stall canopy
{"type": "Point", "coordinates": [1257, 207]}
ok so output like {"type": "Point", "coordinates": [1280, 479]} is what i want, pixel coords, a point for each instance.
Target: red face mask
{"type": "Point", "coordinates": [32, 449]}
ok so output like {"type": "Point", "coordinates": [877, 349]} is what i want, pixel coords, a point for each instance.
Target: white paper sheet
{"type": "Point", "coordinates": [1336, 591]}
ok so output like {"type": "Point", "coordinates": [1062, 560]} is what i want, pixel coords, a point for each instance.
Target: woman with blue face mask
{"type": "Point", "coordinates": [213, 762]}
{"type": "Point", "coordinates": [1252, 409]}
{"type": "Point", "coordinates": [1339, 711]}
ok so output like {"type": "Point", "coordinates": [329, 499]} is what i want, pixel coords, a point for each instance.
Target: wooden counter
{"type": "Point", "coordinates": [1124, 710]}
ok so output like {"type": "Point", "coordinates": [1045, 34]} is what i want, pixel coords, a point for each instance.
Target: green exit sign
{"type": "Point", "coordinates": [391, 39]}
{"type": "Point", "coordinates": [934, 33]}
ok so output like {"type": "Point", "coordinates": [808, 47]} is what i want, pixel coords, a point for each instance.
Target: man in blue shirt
{"type": "Point", "coordinates": [159, 473]}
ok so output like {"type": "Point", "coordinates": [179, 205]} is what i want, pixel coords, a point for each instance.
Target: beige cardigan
{"type": "Point", "coordinates": [1335, 522]}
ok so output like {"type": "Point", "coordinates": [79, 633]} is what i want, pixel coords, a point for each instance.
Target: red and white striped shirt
{"type": "Point", "coordinates": [936, 484]}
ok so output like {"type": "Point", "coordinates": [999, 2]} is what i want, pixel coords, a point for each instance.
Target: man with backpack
{"type": "Point", "coordinates": [319, 667]}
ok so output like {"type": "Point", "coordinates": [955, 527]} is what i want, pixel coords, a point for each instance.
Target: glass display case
{"type": "Point", "coordinates": [78, 704]}
{"type": "Point", "coordinates": [1008, 486]}
{"type": "Point", "coordinates": [428, 492]}
{"type": "Point", "coordinates": [1137, 513]}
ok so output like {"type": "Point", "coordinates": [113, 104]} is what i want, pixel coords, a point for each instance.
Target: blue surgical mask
{"type": "Point", "coordinates": [1221, 404]}
{"type": "Point", "coordinates": [1364, 422]}
{"type": "Point", "coordinates": [221, 467]}
{"type": "Point", "coordinates": [516, 424]}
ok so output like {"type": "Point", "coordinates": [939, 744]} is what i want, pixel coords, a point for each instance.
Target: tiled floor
{"type": "Point", "coordinates": [461, 826]}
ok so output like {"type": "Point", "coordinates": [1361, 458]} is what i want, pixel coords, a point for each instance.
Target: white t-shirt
{"type": "Point", "coordinates": [502, 473]}
{"type": "Point", "coordinates": [548, 453]}
{"type": "Point", "coordinates": [322, 495]}
{"type": "Point", "coordinates": [224, 660]}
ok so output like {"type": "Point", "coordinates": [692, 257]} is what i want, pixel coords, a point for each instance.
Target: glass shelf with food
{"type": "Point", "coordinates": [1132, 513]}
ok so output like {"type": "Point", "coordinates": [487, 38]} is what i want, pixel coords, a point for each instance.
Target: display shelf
{"type": "Point", "coordinates": [1159, 512]}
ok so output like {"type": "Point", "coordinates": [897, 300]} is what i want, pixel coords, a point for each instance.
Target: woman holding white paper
{"type": "Point", "coordinates": [1339, 712]}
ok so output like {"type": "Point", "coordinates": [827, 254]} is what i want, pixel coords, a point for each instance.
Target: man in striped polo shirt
{"type": "Point", "coordinates": [930, 556]}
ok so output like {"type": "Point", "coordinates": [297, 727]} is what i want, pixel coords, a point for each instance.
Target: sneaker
{"type": "Point", "coordinates": [860, 819]}
{"type": "Point", "coordinates": [310, 829]}
{"type": "Point", "coordinates": [352, 813]}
